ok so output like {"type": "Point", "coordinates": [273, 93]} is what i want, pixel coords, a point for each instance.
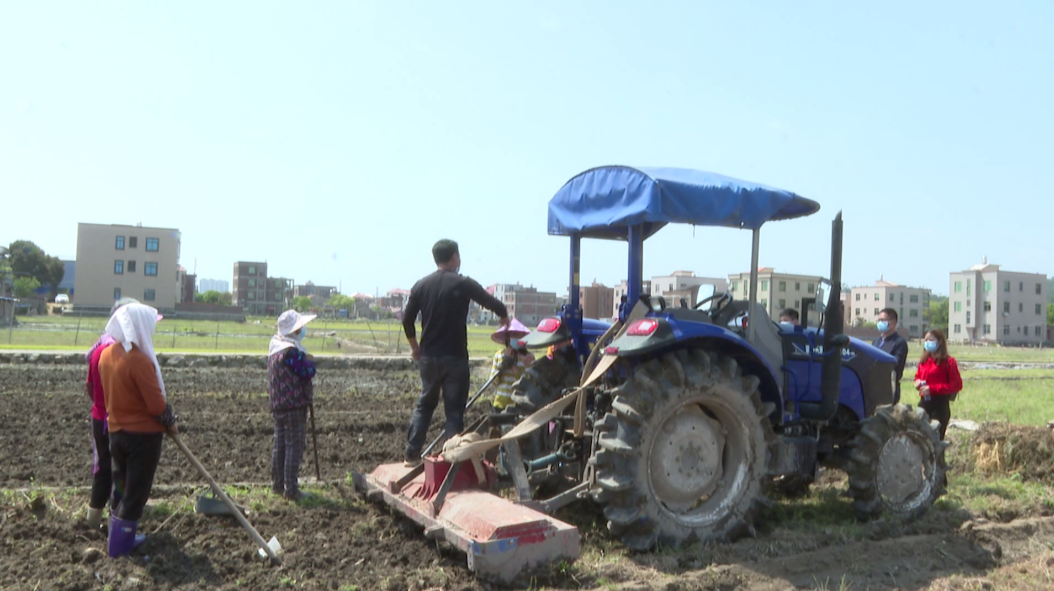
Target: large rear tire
{"type": "Point", "coordinates": [896, 466]}
{"type": "Point", "coordinates": [683, 455]}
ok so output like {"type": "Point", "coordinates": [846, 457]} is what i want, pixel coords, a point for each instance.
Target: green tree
{"type": "Point", "coordinates": [209, 297]}
{"type": "Point", "coordinates": [937, 314]}
{"type": "Point", "coordinates": [29, 259]}
{"type": "Point", "coordinates": [302, 304]}
{"type": "Point", "coordinates": [341, 302]}
{"type": "Point", "coordinates": [26, 286]}
{"type": "Point", "coordinates": [225, 298]}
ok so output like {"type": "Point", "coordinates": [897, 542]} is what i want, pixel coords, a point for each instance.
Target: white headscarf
{"type": "Point", "coordinates": [134, 325]}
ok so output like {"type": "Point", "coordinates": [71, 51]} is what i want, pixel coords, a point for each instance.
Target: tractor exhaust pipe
{"type": "Point", "coordinates": [833, 337]}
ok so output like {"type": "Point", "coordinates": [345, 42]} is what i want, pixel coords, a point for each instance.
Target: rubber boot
{"type": "Point", "coordinates": [94, 517]}
{"type": "Point", "coordinates": [123, 539]}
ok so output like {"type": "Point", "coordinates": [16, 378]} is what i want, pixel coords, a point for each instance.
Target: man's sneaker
{"type": "Point", "coordinates": [411, 462]}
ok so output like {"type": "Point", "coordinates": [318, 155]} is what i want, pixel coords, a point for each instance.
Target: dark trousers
{"type": "Point", "coordinates": [939, 408]}
{"type": "Point", "coordinates": [440, 376]}
{"type": "Point", "coordinates": [135, 459]}
{"type": "Point", "coordinates": [101, 469]}
{"type": "Point", "coordinates": [290, 437]}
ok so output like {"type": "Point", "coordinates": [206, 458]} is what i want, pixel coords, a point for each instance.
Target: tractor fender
{"type": "Point", "coordinates": [668, 335]}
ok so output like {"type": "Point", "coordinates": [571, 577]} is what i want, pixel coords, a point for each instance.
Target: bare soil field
{"type": "Point", "coordinates": [986, 534]}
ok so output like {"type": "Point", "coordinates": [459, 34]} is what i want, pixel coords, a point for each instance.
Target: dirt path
{"type": "Point", "coordinates": [343, 543]}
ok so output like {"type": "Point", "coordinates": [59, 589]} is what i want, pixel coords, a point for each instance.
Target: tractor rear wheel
{"type": "Point", "coordinates": [896, 465]}
{"type": "Point", "coordinates": [683, 455]}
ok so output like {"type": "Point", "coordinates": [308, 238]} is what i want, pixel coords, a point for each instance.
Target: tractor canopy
{"type": "Point", "coordinates": [603, 202]}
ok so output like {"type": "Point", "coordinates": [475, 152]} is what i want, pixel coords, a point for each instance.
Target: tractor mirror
{"type": "Point", "coordinates": [823, 291]}
{"type": "Point", "coordinates": [705, 292]}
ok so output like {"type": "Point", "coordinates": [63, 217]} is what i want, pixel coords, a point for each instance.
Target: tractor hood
{"type": "Point", "coordinates": [603, 202]}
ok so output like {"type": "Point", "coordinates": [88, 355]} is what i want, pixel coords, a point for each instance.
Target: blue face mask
{"type": "Point", "coordinates": [883, 326]}
{"type": "Point", "coordinates": [931, 346]}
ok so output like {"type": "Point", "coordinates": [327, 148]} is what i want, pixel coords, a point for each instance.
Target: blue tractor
{"type": "Point", "coordinates": [708, 406]}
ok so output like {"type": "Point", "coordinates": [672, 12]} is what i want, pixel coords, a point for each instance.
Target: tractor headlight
{"type": "Point", "coordinates": [893, 382]}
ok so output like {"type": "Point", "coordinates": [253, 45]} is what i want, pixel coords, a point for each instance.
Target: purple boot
{"type": "Point", "coordinates": [123, 539]}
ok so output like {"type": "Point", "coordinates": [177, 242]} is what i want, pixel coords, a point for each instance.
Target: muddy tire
{"type": "Point", "coordinates": [896, 466]}
{"type": "Point", "coordinates": [683, 455]}
{"type": "Point", "coordinates": [542, 382]}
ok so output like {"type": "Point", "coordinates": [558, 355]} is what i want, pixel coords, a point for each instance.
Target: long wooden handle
{"type": "Point", "coordinates": [230, 504]}
{"type": "Point", "coordinates": [314, 439]}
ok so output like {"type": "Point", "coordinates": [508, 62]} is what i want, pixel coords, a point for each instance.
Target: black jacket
{"type": "Point", "coordinates": [896, 346]}
{"type": "Point", "coordinates": [442, 299]}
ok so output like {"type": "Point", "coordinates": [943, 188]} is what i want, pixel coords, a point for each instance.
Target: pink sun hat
{"type": "Point", "coordinates": [515, 330]}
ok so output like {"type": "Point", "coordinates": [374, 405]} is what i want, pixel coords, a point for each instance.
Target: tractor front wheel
{"type": "Point", "coordinates": [683, 454]}
{"type": "Point", "coordinates": [896, 464]}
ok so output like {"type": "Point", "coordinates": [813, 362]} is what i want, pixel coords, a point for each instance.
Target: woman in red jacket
{"type": "Point", "coordinates": [937, 378]}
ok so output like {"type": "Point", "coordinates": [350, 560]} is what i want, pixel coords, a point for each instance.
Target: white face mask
{"type": "Point", "coordinates": [300, 334]}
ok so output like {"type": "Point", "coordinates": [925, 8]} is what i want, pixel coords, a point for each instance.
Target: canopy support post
{"type": "Point", "coordinates": [755, 246]}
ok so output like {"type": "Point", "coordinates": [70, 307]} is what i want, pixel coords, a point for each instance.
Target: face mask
{"type": "Point", "coordinates": [299, 336]}
{"type": "Point", "coordinates": [785, 325]}
{"type": "Point", "coordinates": [883, 326]}
{"type": "Point", "coordinates": [931, 346]}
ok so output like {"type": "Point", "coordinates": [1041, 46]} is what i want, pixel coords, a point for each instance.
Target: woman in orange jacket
{"type": "Point", "coordinates": [937, 378]}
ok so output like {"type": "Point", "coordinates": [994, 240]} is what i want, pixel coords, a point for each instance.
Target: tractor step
{"type": "Point", "coordinates": [500, 537]}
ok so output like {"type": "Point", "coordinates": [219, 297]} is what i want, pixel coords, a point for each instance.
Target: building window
{"type": "Point", "coordinates": [252, 270]}
{"type": "Point", "coordinates": [1020, 307]}
{"type": "Point", "coordinates": [783, 304]}
{"type": "Point", "coordinates": [858, 311]}
{"type": "Point", "coordinates": [987, 329]}
{"type": "Point", "coordinates": [913, 313]}
{"type": "Point", "coordinates": [1006, 329]}
{"type": "Point", "coordinates": [148, 295]}
{"type": "Point", "coordinates": [958, 328]}
{"type": "Point", "coordinates": [150, 269]}
{"type": "Point", "coordinates": [893, 297]}
{"type": "Point", "coordinates": [252, 283]}
{"type": "Point", "coordinates": [1039, 331]}
{"type": "Point", "coordinates": [876, 297]}
{"type": "Point", "coordinates": [133, 242]}
{"type": "Point", "coordinates": [914, 299]}
{"type": "Point", "coordinates": [733, 287]}
{"type": "Point", "coordinates": [252, 295]}
{"type": "Point", "coordinates": [958, 286]}
{"type": "Point", "coordinates": [1021, 286]}
{"type": "Point", "coordinates": [118, 267]}
{"type": "Point", "coordinates": [152, 244]}
{"type": "Point", "coordinates": [797, 286]}
{"type": "Point", "coordinates": [988, 306]}
{"type": "Point", "coordinates": [120, 243]}
{"type": "Point", "coordinates": [987, 285]}
{"type": "Point", "coordinates": [764, 302]}
{"type": "Point", "coordinates": [1039, 288]}
{"type": "Point", "coordinates": [764, 285]}
{"type": "Point", "coordinates": [131, 266]}
{"type": "Point", "coordinates": [969, 285]}
{"type": "Point", "coordinates": [914, 329]}
{"type": "Point", "coordinates": [957, 306]}
{"type": "Point", "coordinates": [1039, 308]}
{"type": "Point", "coordinates": [1006, 307]}
{"type": "Point", "coordinates": [1006, 286]}
{"type": "Point", "coordinates": [967, 317]}
{"type": "Point", "coordinates": [876, 311]}
{"type": "Point", "coordinates": [811, 288]}
{"type": "Point", "coordinates": [117, 293]}
{"type": "Point", "coordinates": [797, 304]}
{"type": "Point", "coordinates": [783, 286]}
{"type": "Point", "coordinates": [277, 297]}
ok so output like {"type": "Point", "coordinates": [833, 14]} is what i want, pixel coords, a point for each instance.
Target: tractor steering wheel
{"type": "Point", "coordinates": [722, 300]}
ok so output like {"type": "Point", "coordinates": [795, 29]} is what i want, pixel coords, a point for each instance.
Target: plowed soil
{"type": "Point", "coordinates": [342, 542]}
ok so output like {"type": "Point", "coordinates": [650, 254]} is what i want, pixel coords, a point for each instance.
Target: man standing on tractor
{"type": "Point", "coordinates": [889, 341]}
{"type": "Point", "coordinates": [442, 299]}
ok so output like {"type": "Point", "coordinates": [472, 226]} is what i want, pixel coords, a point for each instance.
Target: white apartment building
{"type": "Point", "coordinates": [681, 280]}
{"type": "Point", "coordinates": [621, 290]}
{"type": "Point", "coordinates": [986, 303]}
{"type": "Point", "coordinates": [776, 291]}
{"type": "Point", "coordinates": [115, 261]}
{"type": "Point", "coordinates": [911, 304]}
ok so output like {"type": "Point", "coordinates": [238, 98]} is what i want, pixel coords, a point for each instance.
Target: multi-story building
{"type": "Point", "coordinates": [115, 261]}
{"type": "Point", "coordinates": [186, 285]}
{"type": "Point", "coordinates": [776, 291]}
{"type": "Point", "coordinates": [681, 280]}
{"type": "Point", "coordinates": [217, 285]}
{"type": "Point", "coordinates": [527, 304]}
{"type": "Point", "coordinates": [279, 295]}
{"type": "Point", "coordinates": [310, 289]}
{"type": "Point", "coordinates": [250, 287]}
{"type": "Point", "coordinates": [986, 303]}
{"type": "Point", "coordinates": [596, 300]}
{"type": "Point", "coordinates": [621, 290]}
{"type": "Point", "coordinates": [911, 304]}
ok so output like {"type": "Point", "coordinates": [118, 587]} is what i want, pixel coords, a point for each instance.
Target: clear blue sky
{"type": "Point", "coordinates": [339, 140]}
